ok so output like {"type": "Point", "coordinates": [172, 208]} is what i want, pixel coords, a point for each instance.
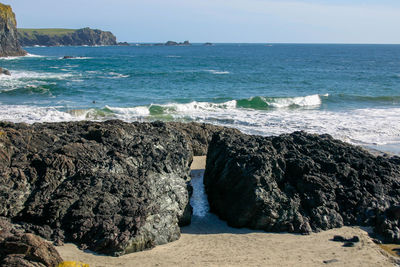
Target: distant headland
{"type": "Point", "coordinates": [65, 37]}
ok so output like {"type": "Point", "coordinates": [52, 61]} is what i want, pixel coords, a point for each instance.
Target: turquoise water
{"type": "Point", "coordinates": [349, 91]}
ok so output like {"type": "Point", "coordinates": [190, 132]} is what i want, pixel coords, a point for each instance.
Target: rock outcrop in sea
{"type": "Point", "coordinates": [65, 37]}
{"type": "Point", "coordinates": [111, 187]}
{"type": "Point", "coordinates": [4, 72]}
{"type": "Point", "coordinates": [9, 45]}
{"type": "Point", "coordinates": [301, 183]}
{"type": "Point", "coordinates": [173, 43]}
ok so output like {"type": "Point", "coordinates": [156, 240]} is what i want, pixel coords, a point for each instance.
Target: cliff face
{"type": "Point", "coordinates": [63, 37]}
{"type": "Point", "coordinates": [9, 45]}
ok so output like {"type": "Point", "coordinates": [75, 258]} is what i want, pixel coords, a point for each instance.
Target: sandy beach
{"type": "Point", "coordinates": [208, 241]}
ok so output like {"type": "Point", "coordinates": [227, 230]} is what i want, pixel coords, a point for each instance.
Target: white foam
{"type": "Point", "coordinates": [30, 114]}
{"type": "Point", "coordinates": [32, 55]}
{"type": "Point", "coordinates": [135, 111]}
{"type": "Point", "coordinates": [306, 101]}
{"type": "Point", "coordinates": [217, 72]}
{"type": "Point", "coordinates": [195, 107]}
{"type": "Point", "coordinates": [75, 58]}
{"type": "Point", "coordinates": [359, 126]}
{"type": "Point", "coordinates": [19, 79]}
{"type": "Point", "coordinates": [20, 57]}
{"type": "Point", "coordinates": [115, 75]}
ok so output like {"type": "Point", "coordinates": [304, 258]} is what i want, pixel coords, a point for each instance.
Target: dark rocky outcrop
{"type": "Point", "coordinates": [9, 45]}
{"type": "Point", "coordinates": [112, 187]}
{"type": "Point", "coordinates": [301, 183]}
{"type": "Point", "coordinates": [199, 135]}
{"type": "Point", "coordinates": [4, 72]}
{"type": "Point", "coordinates": [173, 43]}
{"type": "Point", "coordinates": [62, 37]}
{"type": "Point", "coordinates": [21, 249]}
{"type": "Point", "coordinates": [388, 224]}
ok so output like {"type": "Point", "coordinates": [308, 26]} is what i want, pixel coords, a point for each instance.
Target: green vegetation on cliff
{"type": "Point", "coordinates": [7, 13]}
{"type": "Point", "coordinates": [65, 37]}
{"type": "Point", "coordinates": [50, 32]}
{"type": "Point", "coordinates": [9, 45]}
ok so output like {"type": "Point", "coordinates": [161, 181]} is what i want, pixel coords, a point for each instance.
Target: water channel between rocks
{"type": "Point", "coordinates": [199, 199]}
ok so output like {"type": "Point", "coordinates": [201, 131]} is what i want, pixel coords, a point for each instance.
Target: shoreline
{"type": "Point", "coordinates": [225, 246]}
{"type": "Point", "coordinates": [208, 241]}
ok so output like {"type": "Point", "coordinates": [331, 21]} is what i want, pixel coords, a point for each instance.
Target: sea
{"type": "Point", "coordinates": [351, 92]}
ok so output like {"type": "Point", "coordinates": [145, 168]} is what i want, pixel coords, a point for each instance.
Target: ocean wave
{"type": "Point", "coordinates": [260, 102]}
{"type": "Point", "coordinates": [118, 75]}
{"type": "Point", "coordinates": [31, 114]}
{"type": "Point", "coordinates": [20, 57]}
{"type": "Point", "coordinates": [75, 58]}
{"type": "Point", "coordinates": [360, 126]}
{"type": "Point", "coordinates": [139, 111]}
{"type": "Point", "coordinates": [33, 55]}
{"type": "Point", "coordinates": [218, 72]}
{"type": "Point", "coordinates": [21, 79]}
{"type": "Point", "coordinates": [197, 108]}
{"type": "Point", "coordinates": [114, 75]}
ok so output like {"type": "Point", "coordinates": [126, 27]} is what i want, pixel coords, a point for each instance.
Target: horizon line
{"type": "Point", "coordinates": [317, 43]}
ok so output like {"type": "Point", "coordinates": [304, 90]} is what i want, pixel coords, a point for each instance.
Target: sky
{"type": "Point", "coordinates": [238, 21]}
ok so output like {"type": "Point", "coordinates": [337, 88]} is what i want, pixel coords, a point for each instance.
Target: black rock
{"type": "Point", "coordinates": [348, 244]}
{"type": "Point", "coordinates": [171, 43]}
{"type": "Point", "coordinates": [112, 187]}
{"type": "Point", "coordinates": [199, 135]}
{"type": "Point", "coordinates": [377, 241]}
{"type": "Point", "coordinates": [388, 224]}
{"type": "Point", "coordinates": [339, 238]}
{"type": "Point", "coordinates": [354, 239]}
{"type": "Point", "coordinates": [330, 261]}
{"type": "Point", "coordinates": [5, 72]}
{"type": "Point", "coordinates": [299, 183]}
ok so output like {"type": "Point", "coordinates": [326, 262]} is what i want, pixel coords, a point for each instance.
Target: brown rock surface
{"type": "Point", "coordinates": [24, 249]}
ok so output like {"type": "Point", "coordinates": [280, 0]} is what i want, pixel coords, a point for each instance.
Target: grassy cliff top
{"type": "Point", "coordinates": [7, 13]}
{"type": "Point", "coordinates": [50, 32]}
